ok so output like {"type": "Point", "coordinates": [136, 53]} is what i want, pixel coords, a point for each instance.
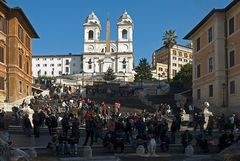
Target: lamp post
{"type": "Point", "coordinates": [223, 87]}
{"type": "Point", "coordinates": [159, 78]}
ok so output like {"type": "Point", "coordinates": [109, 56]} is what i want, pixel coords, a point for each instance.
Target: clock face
{"type": "Point", "coordinates": [124, 47]}
{"type": "Point", "coordinates": [90, 47]}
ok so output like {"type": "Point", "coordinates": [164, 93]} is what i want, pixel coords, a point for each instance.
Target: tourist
{"type": "Point", "coordinates": [36, 124]}
{"type": "Point", "coordinates": [226, 139]}
{"type": "Point", "coordinates": [186, 138]}
{"type": "Point", "coordinates": [2, 117]}
{"type": "Point", "coordinates": [174, 128]}
{"type": "Point", "coordinates": [27, 126]}
{"type": "Point", "coordinates": [90, 127]}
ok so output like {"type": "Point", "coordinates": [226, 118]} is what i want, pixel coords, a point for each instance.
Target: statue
{"type": "Point", "coordinates": [206, 113]}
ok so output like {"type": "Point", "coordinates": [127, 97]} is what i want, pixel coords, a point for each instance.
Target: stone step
{"type": "Point", "coordinates": [98, 150]}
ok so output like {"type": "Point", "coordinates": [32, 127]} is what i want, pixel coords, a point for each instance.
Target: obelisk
{"type": "Point", "coordinates": [108, 37]}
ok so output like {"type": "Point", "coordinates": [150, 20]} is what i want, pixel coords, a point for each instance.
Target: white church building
{"type": "Point", "coordinates": [99, 55]}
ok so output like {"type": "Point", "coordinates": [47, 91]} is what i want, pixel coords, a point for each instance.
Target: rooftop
{"type": "Point", "coordinates": [205, 19]}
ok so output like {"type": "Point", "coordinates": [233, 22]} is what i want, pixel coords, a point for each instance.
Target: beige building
{"type": "Point", "coordinates": [160, 71]}
{"type": "Point", "coordinates": [216, 57]}
{"type": "Point", "coordinates": [179, 56]}
{"type": "Point", "coordinates": [16, 33]}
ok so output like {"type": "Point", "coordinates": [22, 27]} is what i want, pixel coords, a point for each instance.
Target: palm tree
{"type": "Point", "coordinates": [169, 40]}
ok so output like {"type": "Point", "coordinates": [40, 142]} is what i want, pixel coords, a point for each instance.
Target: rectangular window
{"type": "Point", "coordinates": [28, 42]}
{"type": "Point", "coordinates": [27, 67]}
{"type": "Point", "coordinates": [3, 24]}
{"type": "Point", "coordinates": [1, 83]}
{"type": "Point", "coordinates": [44, 58]}
{"type": "Point", "coordinates": [210, 34]}
{"type": "Point", "coordinates": [66, 62]}
{"type": "Point", "coordinates": [174, 58]}
{"type": "Point", "coordinates": [232, 87]}
{"type": "Point", "coordinates": [38, 65]}
{"type": "Point", "coordinates": [1, 55]}
{"type": "Point", "coordinates": [20, 33]}
{"type": "Point", "coordinates": [27, 90]}
{"type": "Point", "coordinates": [210, 64]}
{"type": "Point", "coordinates": [174, 52]}
{"type": "Point", "coordinates": [198, 94]}
{"type": "Point", "coordinates": [124, 66]}
{"type": "Point", "coordinates": [20, 86]}
{"type": "Point", "coordinates": [20, 61]}
{"type": "Point", "coordinates": [174, 72]}
{"type": "Point", "coordinates": [198, 70]}
{"type": "Point", "coordinates": [44, 65]}
{"type": "Point", "coordinates": [198, 44]}
{"type": "Point", "coordinates": [67, 70]}
{"type": "Point", "coordinates": [52, 65]}
{"type": "Point", "coordinates": [51, 58]}
{"type": "Point", "coordinates": [58, 58]}
{"type": "Point", "coordinates": [180, 53]}
{"type": "Point", "coordinates": [185, 55]}
{"type": "Point", "coordinates": [231, 58]}
{"type": "Point", "coordinates": [52, 72]}
{"type": "Point", "coordinates": [185, 60]}
{"type": "Point", "coordinates": [45, 73]}
{"type": "Point", "coordinates": [60, 72]}
{"type": "Point", "coordinates": [89, 66]}
{"type": "Point", "coordinates": [210, 90]}
{"type": "Point", "coordinates": [179, 59]}
{"type": "Point", "coordinates": [174, 64]}
{"type": "Point", "coordinates": [59, 65]}
{"type": "Point", "coordinates": [231, 26]}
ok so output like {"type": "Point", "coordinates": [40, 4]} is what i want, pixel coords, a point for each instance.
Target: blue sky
{"type": "Point", "coordinates": [59, 23]}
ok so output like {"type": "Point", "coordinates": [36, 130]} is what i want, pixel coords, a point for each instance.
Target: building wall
{"type": "Point", "coordinates": [20, 80]}
{"type": "Point", "coordinates": [16, 35]}
{"type": "Point", "coordinates": [3, 64]}
{"type": "Point", "coordinates": [180, 56]}
{"type": "Point", "coordinates": [56, 65]}
{"type": "Point", "coordinates": [219, 49]}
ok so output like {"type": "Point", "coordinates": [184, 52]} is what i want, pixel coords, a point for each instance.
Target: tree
{"type": "Point", "coordinates": [169, 40]}
{"type": "Point", "coordinates": [143, 71]}
{"type": "Point", "coordinates": [109, 75]}
{"type": "Point", "coordinates": [184, 77]}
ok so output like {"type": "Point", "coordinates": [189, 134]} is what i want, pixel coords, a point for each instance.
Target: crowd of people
{"type": "Point", "coordinates": [114, 128]}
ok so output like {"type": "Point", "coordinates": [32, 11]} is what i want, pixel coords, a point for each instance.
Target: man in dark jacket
{"type": "Point", "coordinates": [27, 126]}
{"type": "Point", "coordinates": [186, 138]}
{"type": "Point", "coordinates": [90, 127]}
{"type": "Point", "coordinates": [36, 124]}
{"type": "Point", "coordinates": [174, 128]}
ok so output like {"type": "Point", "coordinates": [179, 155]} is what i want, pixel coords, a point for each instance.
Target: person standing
{"type": "Point", "coordinates": [27, 126]}
{"type": "Point", "coordinates": [90, 127]}
{"type": "Point", "coordinates": [36, 124]}
{"type": "Point", "coordinates": [174, 128]}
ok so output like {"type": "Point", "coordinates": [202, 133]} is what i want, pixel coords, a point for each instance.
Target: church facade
{"type": "Point", "coordinates": [100, 55]}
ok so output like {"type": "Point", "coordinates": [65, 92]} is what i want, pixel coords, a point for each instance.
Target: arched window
{"type": "Point", "coordinates": [90, 35]}
{"type": "Point", "coordinates": [124, 34]}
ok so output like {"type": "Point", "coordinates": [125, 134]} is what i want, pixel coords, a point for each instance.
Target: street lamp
{"type": "Point", "coordinates": [223, 87]}
{"type": "Point", "coordinates": [159, 78]}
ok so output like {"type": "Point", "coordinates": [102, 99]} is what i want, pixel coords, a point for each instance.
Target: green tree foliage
{"type": "Point", "coordinates": [183, 79]}
{"type": "Point", "coordinates": [169, 40]}
{"type": "Point", "coordinates": [109, 75]}
{"type": "Point", "coordinates": [143, 71]}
